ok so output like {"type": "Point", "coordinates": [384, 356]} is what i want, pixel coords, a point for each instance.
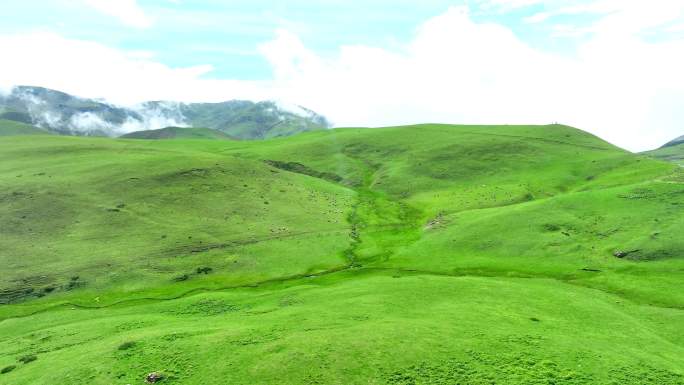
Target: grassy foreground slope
{"type": "Point", "coordinates": [427, 254]}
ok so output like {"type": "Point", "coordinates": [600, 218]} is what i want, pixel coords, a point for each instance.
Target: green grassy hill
{"type": "Point", "coordinates": [671, 153]}
{"type": "Point", "coordinates": [429, 254]}
{"type": "Point", "coordinates": [674, 142]}
{"type": "Point", "coordinates": [10, 128]}
{"type": "Point", "coordinates": [177, 133]}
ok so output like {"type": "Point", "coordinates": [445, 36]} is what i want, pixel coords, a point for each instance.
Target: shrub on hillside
{"type": "Point", "coordinates": [28, 358]}
{"type": "Point", "coordinates": [126, 345]}
{"type": "Point", "coordinates": [8, 369]}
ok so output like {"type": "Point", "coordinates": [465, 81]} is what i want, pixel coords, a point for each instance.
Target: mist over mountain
{"type": "Point", "coordinates": [65, 114]}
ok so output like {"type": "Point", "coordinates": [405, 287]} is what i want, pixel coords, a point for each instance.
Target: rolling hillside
{"type": "Point", "coordinates": [11, 127]}
{"type": "Point", "coordinates": [177, 133]}
{"type": "Point", "coordinates": [674, 142]}
{"type": "Point", "coordinates": [428, 254]}
{"type": "Point", "coordinates": [673, 151]}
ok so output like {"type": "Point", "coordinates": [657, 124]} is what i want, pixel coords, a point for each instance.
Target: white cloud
{"type": "Point", "coordinates": [505, 5]}
{"type": "Point", "coordinates": [593, 7]}
{"type": "Point", "coordinates": [128, 12]}
{"type": "Point", "coordinates": [538, 17]}
{"type": "Point", "coordinates": [634, 16]}
{"type": "Point", "coordinates": [453, 70]}
{"type": "Point", "coordinates": [88, 122]}
{"type": "Point", "coordinates": [568, 30]}
{"type": "Point", "coordinates": [90, 69]}
{"type": "Point", "coordinates": [5, 89]}
{"type": "Point", "coordinates": [618, 16]}
{"type": "Point", "coordinates": [166, 114]}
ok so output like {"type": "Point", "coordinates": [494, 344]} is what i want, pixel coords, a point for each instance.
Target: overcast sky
{"type": "Point", "coordinates": [611, 67]}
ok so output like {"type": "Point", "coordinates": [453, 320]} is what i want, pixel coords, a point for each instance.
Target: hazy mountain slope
{"type": "Point", "coordinates": [11, 127]}
{"type": "Point", "coordinates": [675, 141]}
{"type": "Point", "coordinates": [247, 120]}
{"type": "Point", "coordinates": [69, 115]}
{"type": "Point", "coordinates": [177, 133]}
{"type": "Point", "coordinates": [671, 153]}
{"type": "Point", "coordinates": [65, 114]}
{"type": "Point", "coordinates": [399, 255]}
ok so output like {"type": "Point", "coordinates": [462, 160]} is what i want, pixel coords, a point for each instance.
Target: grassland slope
{"type": "Point", "coordinates": [426, 254]}
{"type": "Point", "coordinates": [672, 153]}
{"type": "Point", "coordinates": [675, 141]}
{"type": "Point", "coordinates": [10, 128]}
{"type": "Point", "coordinates": [177, 133]}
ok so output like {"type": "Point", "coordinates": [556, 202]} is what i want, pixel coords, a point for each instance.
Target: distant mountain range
{"type": "Point", "coordinates": [672, 151]}
{"type": "Point", "coordinates": [65, 114]}
{"type": "Point", "coordinates": [675, 142]}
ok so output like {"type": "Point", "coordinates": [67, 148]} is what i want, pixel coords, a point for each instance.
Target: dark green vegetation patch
{"type": "Point", "coordinates": [302, 169]}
